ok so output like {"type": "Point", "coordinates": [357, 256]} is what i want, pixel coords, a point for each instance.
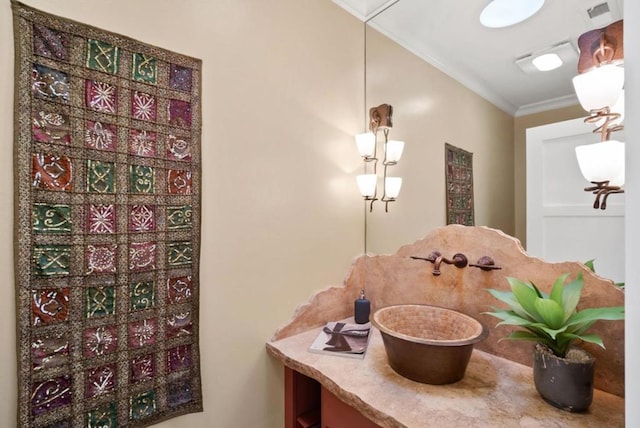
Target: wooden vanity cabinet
{"type": "Point", "coordinates": [308, 404]}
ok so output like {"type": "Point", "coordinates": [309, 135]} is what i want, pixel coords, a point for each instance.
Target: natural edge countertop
{"type": "Point", "coordinates": [495, 392]}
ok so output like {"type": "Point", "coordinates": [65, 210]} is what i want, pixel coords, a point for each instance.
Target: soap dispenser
{"type": "Point", "coordinates": [361, 309]}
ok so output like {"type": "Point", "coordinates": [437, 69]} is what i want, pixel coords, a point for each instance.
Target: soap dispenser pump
{"type": "Point", "coordinates": [361, 309]}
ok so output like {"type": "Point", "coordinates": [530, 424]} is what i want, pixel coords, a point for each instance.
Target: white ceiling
{"type": "Point", "coordinates": [448, 35]}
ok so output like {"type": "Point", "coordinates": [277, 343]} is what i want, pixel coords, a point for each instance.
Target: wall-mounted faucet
{"type": "Point", "coordinates": [459, 260]}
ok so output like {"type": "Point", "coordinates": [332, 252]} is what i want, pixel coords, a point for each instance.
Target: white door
{"type": "Point", "coordinates": [562, 224]}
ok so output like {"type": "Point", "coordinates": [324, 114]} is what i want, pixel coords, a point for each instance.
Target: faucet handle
{"type": "Point", "coordinates": [486, 263]}
{"type": "Point", "coordinates": [460, 260]}
{"type": "Point", "coordinates": [431, 258]}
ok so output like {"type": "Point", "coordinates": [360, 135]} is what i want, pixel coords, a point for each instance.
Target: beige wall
{"type": "Point", "coordinates": [430, 108]}
{"type": "Point", "coordinates": [519, 143]}
{"type": "Point", "coordinates": [282, 97]}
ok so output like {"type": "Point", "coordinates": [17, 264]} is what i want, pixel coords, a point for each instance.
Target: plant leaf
{"type": "Point", "coordinates": [531, 337]}
{"type": "Point", "coordinates": [526, 295]}
{"type": "Point", "coordinates": [558, 288]}
{"type": "Point", "coordinates": [564, 341]}
{"type": "Point", "coordinates": [592, 338]}
{"type": "Point", "coordinates": [541, 294]}
{"type": "Point", "coordinates": [508, 298]}
{"type": "Point", "coordinates": [612, 313]}
{"type": "Point", "coordinates": [589, 265]}
{"type": "Point", "coordinates": [551, 312]}
{"type": "Point", "coordinates": [571, 296]}
{"type": "Point", "coordinates": [523, 335]}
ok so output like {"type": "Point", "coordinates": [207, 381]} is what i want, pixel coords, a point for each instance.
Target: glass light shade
{"type": "Point", "coordinates": [366, 143]}
{"type": "Point", "coordinates": [602, 161]}
{"type": "Point", "coordinates": [367, 184]}
{"type": "Point", "coordinates": [547, 62]}
{"type": "Point", "coordinates": [600, 87]}
{"type": "Point", "coordinates": [392, 186]}
{"type": "Point", "coordinates": [503, 13]}
{"type": "Point", "coordinates": [394, 150]}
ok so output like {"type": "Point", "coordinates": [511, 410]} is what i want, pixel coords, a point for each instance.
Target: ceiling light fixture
{"type": "Point", "coordinates": [550, 58]}
{"type": "Point", "coordinates": [504, 13]}
{"type": "Point", "coordinates": [599, 87]}
{"type": "Point", "coordinates": [547, 62]}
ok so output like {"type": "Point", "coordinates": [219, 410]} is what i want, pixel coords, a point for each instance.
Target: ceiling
{"type": "Point", "coordinates": [448, 35]}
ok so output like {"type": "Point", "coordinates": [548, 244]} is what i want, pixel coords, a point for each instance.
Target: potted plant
{"type": "Point", "coordinates": [563, 374]}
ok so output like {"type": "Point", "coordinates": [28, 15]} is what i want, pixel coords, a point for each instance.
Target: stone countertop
{"type": "Point", "coordinates": [495, 392]}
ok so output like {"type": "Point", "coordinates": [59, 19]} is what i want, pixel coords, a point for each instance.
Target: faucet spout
{"type": "Point", "coordinates": [459, 260]}
{"type": "Point", "coordinates": [436, 265]}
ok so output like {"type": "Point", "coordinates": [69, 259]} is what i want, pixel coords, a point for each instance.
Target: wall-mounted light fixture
{"type": "Point", "coordinates": [380, 119]}
{"type": "Point", "coordinates": [600, 90]}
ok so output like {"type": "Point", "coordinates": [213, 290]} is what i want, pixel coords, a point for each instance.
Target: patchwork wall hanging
{"type": "Point", "coordinates": [459, 185]}
{"type": "Point", "coordinates": [107, 226]}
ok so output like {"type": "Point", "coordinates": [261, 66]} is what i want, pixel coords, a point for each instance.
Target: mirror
{"type": "Point", "coordinates": [431, 109]}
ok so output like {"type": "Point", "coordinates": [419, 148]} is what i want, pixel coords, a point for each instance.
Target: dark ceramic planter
{"type": "Point", "coordinates": [566, 383]}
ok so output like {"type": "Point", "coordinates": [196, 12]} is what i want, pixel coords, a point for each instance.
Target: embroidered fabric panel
{"type": "Point", "coordinates": [107, 144]}
{"type": "Point", "coordinates": [459, 185]}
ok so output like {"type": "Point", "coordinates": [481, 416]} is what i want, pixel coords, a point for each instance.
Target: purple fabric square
{"type": "Point", "coordinates": [101, 218]}
{"type": "Point", "coordinates": [179, 358]}
{"type": "Point", "coordinates": [180, 113]}
{"type": "Point", "coordinates": [143, 106]}
{"type": "Point", "coordinates": [101, 136]}
{"type": "Point", "coordinates": [143, 333]}
{"type": "Point", "coordinates": [180, 78]}
{"type": "Point", "coordinates": [142, 256]}
{"type": "Point", "coordinates": [142, 218]}
{"type": "Point", "coordinates": [100, 341]}
{"type": "Point", "coordinates": [50, 43]}
{"type": "Point", "coordinates": [100, 380]}
{"type": "Point", "coordinates": [101, 96]}
{"type": "Point", "coordinates": [179, 325]}
{"type": "Point", "coordinates": [142, 143]}
{"type": "Point", "coordinates": [142, 368]}
{"type": "Point", "coordinates": [101, 258]}
{"type": "Point", "coordinates": [50, 394]}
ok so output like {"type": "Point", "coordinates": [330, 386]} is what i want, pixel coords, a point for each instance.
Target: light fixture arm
{"type": "Point", "coordinates": [607, 127]}
{"type": "Point", "coordinates": [604, 53]}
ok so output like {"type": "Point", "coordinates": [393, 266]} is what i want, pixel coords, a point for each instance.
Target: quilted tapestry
{"type": "Point", "coordinates": [459, 185]}
{"type": "Point", "coordinates": [107, 226]}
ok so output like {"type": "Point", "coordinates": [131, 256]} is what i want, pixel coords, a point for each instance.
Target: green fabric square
{"type": "Point", "coordinates": [101, 176]}
{"type": "Point", "coordinates": [142, 405]}
{"type": "Point", "coordinates": [142, 295]}
{"type": "Point", "coordinates": [179, 217]}
{"type": "Point", "coordinates": [51, 218]}
{"type": "Point", "coordinates": [102, 56]}
{"type": "Point", "coordinates": [49, 260]}
{"type": "Point", "coordinates": [144, 68]}
{"type": "Point", "coordinates": [179, 253]}
{"type": "Point", "coordinates": [103, 416]}
{"type": "Point", "coordinates": [142, 179]}
{"type": "Point", "coordinates": [99, 301]}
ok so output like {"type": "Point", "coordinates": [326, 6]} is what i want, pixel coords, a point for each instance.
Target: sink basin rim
{"type": "Point", "coordinates": [481, 331]}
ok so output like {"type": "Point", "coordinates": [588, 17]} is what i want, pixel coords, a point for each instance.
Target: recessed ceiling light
{"type": "Point", "coordinates": [567, 53]}
{"type": "Point", "coordinates": [546, 62]}
{"type": "Point", "coordinates": [503, 13]}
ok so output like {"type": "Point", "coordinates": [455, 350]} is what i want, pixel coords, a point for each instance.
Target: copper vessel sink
{"type": "Point", "coordinates": [428, 344]}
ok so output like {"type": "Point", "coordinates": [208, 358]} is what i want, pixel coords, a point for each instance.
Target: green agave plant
{"type": "Point", "coordinates": [550, 319]}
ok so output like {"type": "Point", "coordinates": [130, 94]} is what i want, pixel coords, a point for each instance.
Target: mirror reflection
{"type": "Point", "coordinates": [451, 80]}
